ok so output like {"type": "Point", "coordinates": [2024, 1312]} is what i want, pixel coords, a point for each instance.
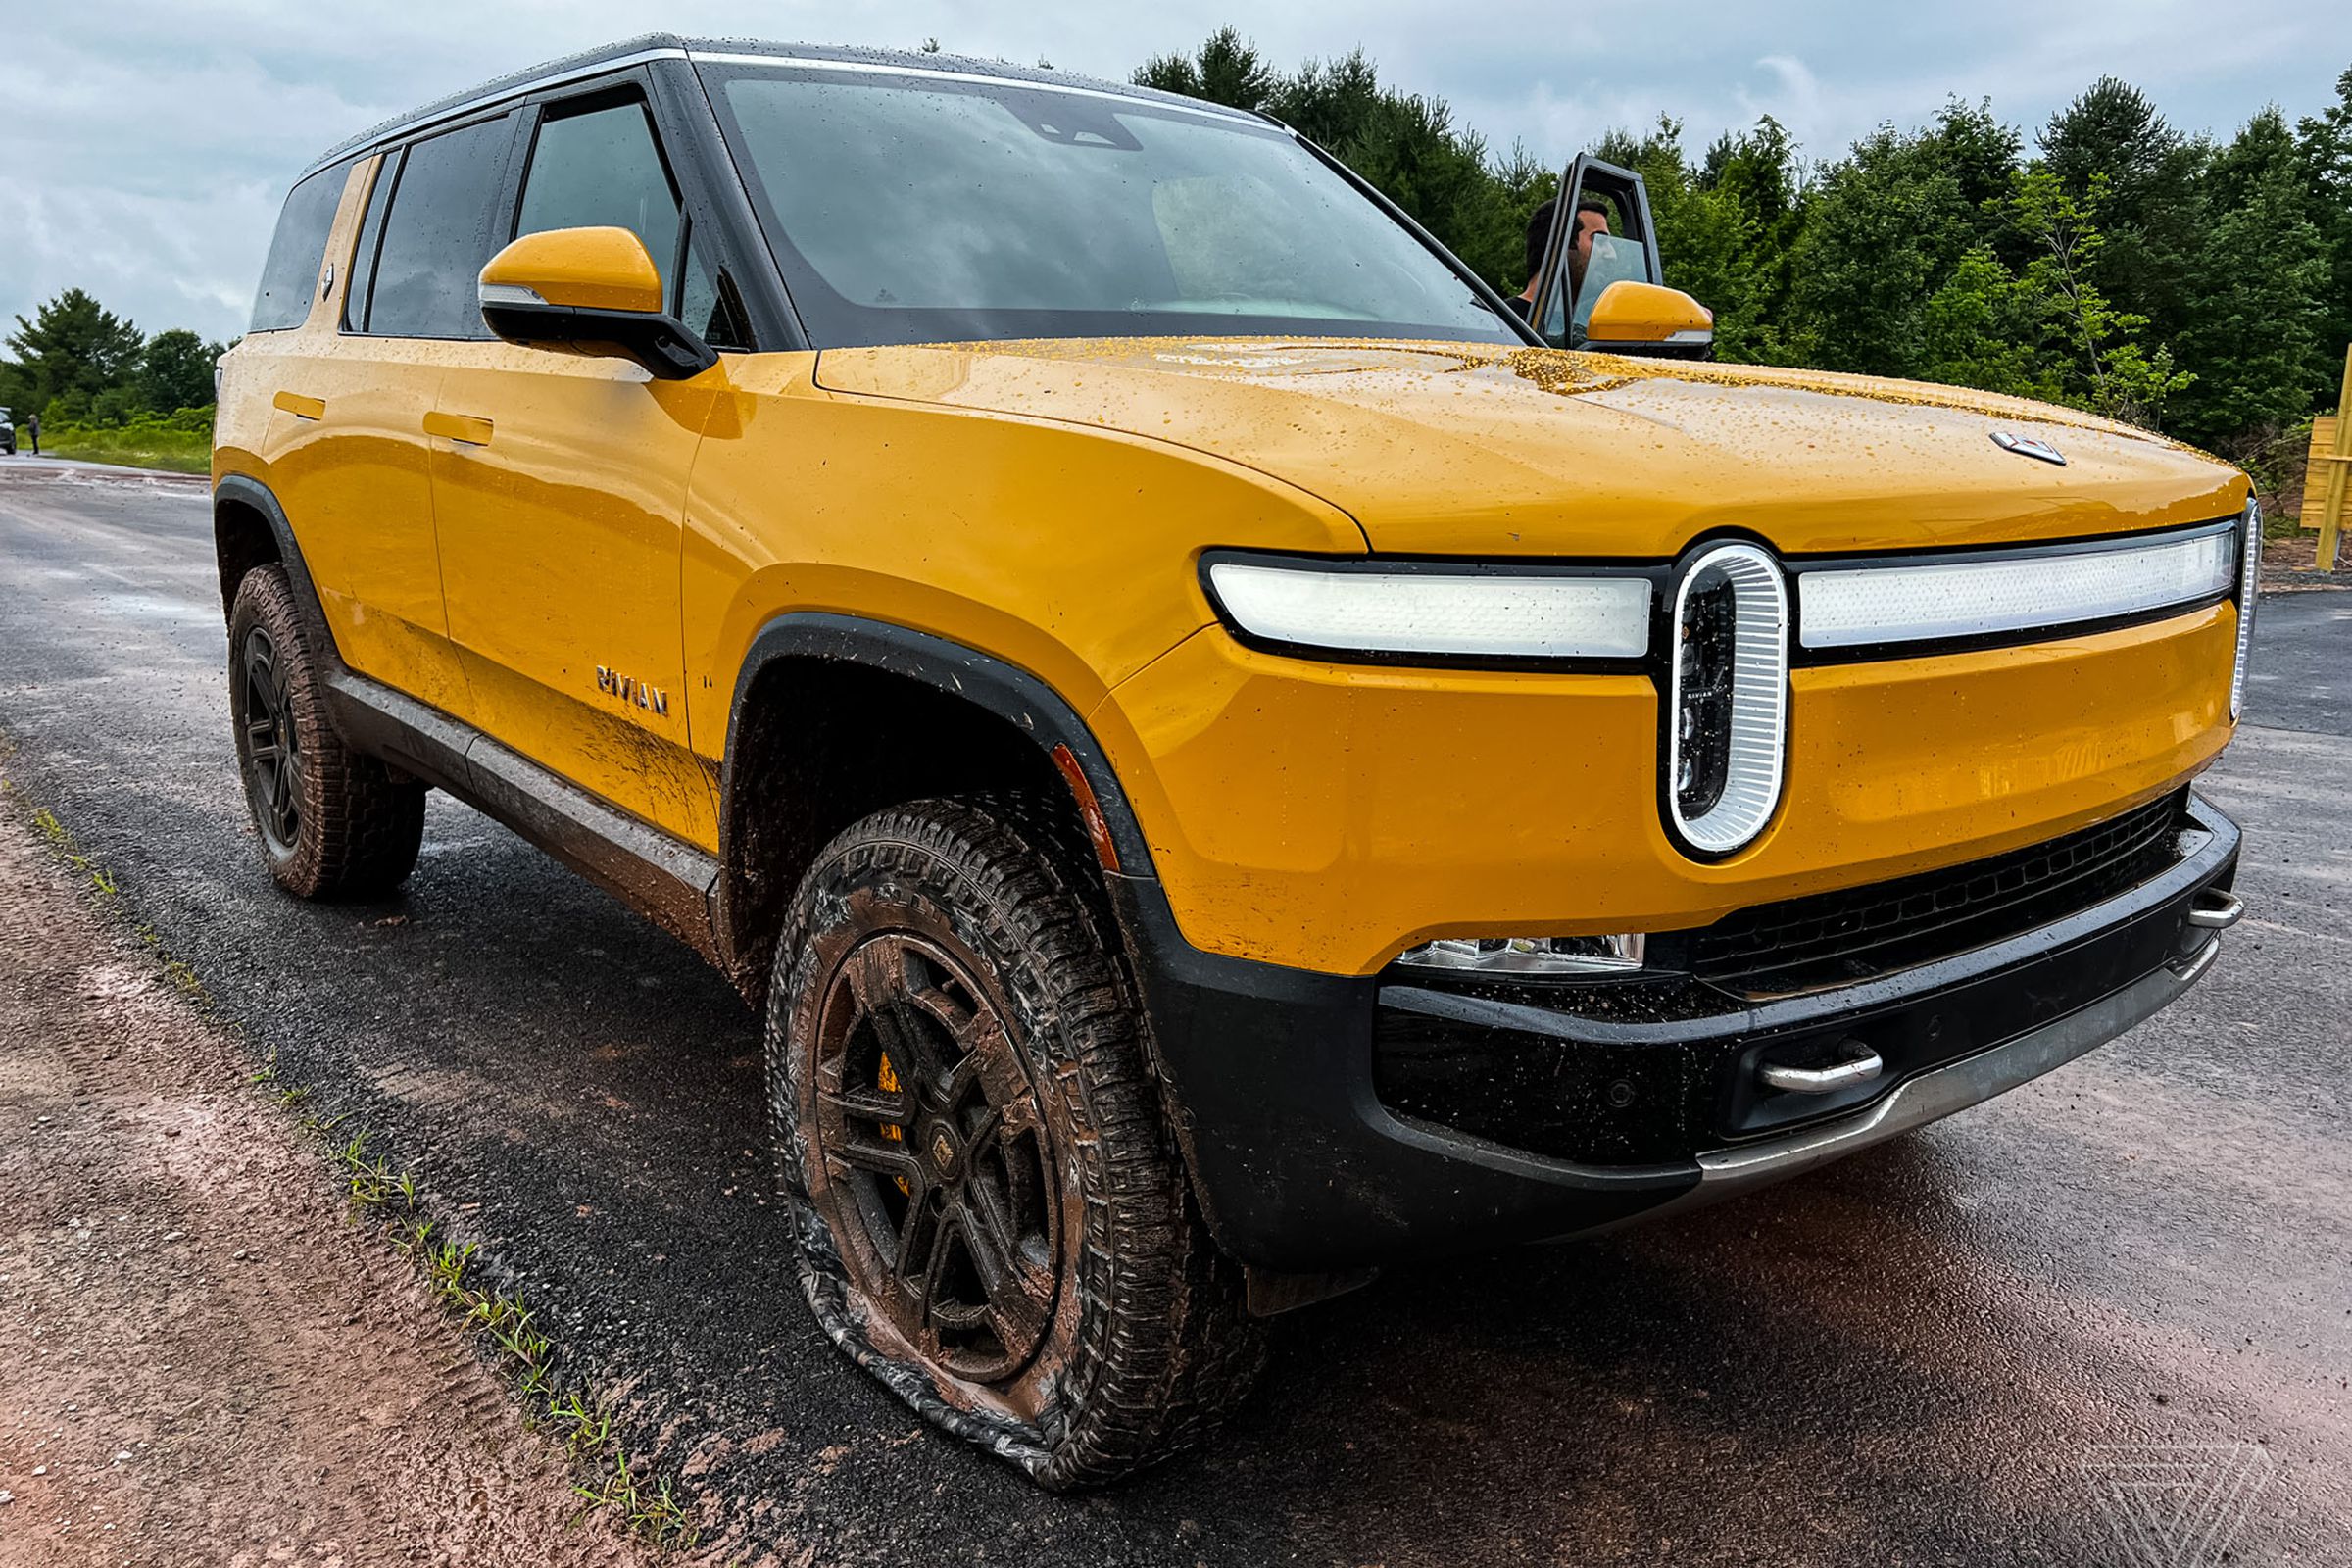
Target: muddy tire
{"type": "Point", "coordinates": [992, 1214]}
{"type": "Point", "coordinates": [333, 823]}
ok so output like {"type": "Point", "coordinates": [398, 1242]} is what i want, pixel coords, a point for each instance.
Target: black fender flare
{"type": "Point", "coordinates": [1016, 696]}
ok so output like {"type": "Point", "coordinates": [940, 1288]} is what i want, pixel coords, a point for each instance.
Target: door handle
{"type": "Point", "coordinates": [464, 427]}
{"type": "Point", "coordinates": [300, 407]}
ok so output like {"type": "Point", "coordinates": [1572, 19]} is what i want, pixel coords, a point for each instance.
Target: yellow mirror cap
{"type": "Point", "coordinates": [587, 268]}
{"type": "Point", "coordinates": [1647, 313]}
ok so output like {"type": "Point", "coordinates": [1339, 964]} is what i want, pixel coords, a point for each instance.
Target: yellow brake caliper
{"type": "Point", "coordinates": [888, 1081]}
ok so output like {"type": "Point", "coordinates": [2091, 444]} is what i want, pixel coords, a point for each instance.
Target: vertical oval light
{"type": "Point", "coordinates": [1727, 698]}
{"type": "Point", "coordinates": [2250, 585]}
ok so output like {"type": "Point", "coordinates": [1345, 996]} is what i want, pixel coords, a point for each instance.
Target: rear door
{"type": "Point", "coordinates": [560, 488]}
{"type": "Point", "coordinates": [344, 449]}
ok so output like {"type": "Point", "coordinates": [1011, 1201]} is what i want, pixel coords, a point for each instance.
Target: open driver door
{"type": "Point", "coordinates": [1602, 285]}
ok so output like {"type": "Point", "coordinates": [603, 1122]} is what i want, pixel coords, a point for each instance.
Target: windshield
{"type": "Point", "coordinates": [912, 209]}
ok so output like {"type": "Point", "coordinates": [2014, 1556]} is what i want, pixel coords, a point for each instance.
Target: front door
{"type": "Point", "coordinates": [560, 491]}
{"type": "Point", "coordinates": [1601, 233]}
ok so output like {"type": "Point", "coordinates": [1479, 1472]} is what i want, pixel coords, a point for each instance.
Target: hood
{"type": "Point", "coordinates": [1456, 449]}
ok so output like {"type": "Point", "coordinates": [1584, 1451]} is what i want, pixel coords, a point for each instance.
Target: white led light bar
{"type": "Point", "coordinates": [2249, 586]}
{"type": "Point", "coordinates": [2028, 590]}
{"type": "Point", "coordinates": [1457, 615]}
{"type": "Point", "coordinates": [1758, 737]}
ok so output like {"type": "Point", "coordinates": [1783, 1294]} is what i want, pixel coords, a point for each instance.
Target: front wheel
{"type": "Point", "coordinates": [992, 1215]}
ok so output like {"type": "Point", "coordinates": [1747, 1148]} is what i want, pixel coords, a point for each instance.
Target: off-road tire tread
{"type": "Point", "coordinates": [1165, 1346]}
{"type": "Point", "coordinates": [360, 827]}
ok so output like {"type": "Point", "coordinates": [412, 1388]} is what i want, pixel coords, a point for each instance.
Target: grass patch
{"type": "Point", "coordinates": [134, 447]}
{"type": "Point", "coordinates": [646, 1503]}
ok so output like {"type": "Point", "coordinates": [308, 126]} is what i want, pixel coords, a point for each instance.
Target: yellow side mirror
{"type": "Point", "coordinates": [593, 290]}
{"type": "Point", "coordinates": [590, 269]}
{"type": "Point", "coordinates": [1633, 317]}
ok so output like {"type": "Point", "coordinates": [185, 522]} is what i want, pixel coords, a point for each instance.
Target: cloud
{"type": "Point", "coordinates": [148, 142]}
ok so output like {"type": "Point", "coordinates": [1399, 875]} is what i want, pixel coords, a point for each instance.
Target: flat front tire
{"type": "Point", "coordinates": [992, 1214]}
{"type": "Point", "coordinates": [333, 823]}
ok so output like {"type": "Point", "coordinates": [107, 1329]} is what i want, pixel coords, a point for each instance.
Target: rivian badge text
{"type": "Point", "coordinates": [653, 699]}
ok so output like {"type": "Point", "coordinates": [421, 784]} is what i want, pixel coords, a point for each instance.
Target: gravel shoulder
{"type": "Point", "coordinates": [202, 1358]}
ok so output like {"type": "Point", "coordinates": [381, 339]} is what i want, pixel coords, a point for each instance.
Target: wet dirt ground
{"type": "Point", "coordinates": [203, 1358]}
{"type": "Point", "coordinates": [1908, 1359]}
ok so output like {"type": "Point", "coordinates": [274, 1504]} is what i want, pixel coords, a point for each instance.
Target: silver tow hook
{"type": "Point", "coordinates": [2216, 909]}
{"type": "Point", "coordinates": [1857, 1069]}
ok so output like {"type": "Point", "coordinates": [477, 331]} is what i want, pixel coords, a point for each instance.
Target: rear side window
{"type": "Point", "coordinates": [372, 238]}
{"type": "Point", "coordinates": [602, 169]}
{"type": "Point", "coordinates": [290, 277]}
{"type": "Point", "coordinates": [437, 235]}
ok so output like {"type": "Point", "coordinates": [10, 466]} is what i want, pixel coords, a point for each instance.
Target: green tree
{"type": "Point", "coordinates": [2152, 213]}
{"type": "Point", "coordinates": [1886, 229]}
{"type": "Point", "coordinates": [1756, 172]}
{"type": "Point", "coordinates": [1984, 328]}
{"type": "Point", "coordinates": [2100, 361]}
{"type": "Point", "coordinates": [2324, 148]}
{"type": "Point", "coordinates": [175, 370]}
{"type": "Point", "coordinates": [73, 350]}
{"type": "Point", "coordinates": [1226, 70]}
{"type": "Point", "coordinates": [1708, 242]}
{"type": "Point", "coordinates": [2256, 312]}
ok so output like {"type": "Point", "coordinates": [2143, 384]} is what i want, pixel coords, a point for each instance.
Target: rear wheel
{"type": "Point", "coordinates": [333, 822]}
{"type": "Point", "coordinates": [993, 1217]}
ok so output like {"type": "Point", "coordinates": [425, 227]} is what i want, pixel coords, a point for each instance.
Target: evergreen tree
{"type": "Point", "coordinates": [1226, 70]}
{"type": "Point", "coordinates": [2257, 309]}
{"type": "Point", "coordinates": [70, 354]}
{"type": "Point", "coordinates": [2324, 148]}
{"type": "Point", "coordinates": [2152, 214]}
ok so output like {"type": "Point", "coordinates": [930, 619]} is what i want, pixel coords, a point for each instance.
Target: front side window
{"type": "Point", "coordinates": [290, 277]}
{"type": "Point", "coordinates": [915, 209]}
{"type": "Point", "coordinates": [602, 169]}
{"type": "Point", "coordinates": [438, 235]}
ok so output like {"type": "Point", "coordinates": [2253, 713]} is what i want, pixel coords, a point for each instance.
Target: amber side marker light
{"type": "Point", "coordinates": [1090, 809]}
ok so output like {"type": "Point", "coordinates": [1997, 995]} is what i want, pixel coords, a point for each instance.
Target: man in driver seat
{"type": "Point", "coordinates": [1592, 217]}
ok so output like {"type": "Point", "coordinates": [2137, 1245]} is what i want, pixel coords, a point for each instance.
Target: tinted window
{"type": "Point", "coordinates": [602, 169]}
{"type": "Point", "coordinates": [927, 210]}
{"type": "Point", "coordinates": [437, 237]}
{"type": "Point", "coordinates": [708, 301]}
{"type": "Point", "coordinates": [371, 234]}
{"type": "Point", "coordinates": [290, 277]}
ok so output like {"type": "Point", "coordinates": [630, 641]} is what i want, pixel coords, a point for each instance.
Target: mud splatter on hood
{"type": "Point", "coordinates": [1460, 449]}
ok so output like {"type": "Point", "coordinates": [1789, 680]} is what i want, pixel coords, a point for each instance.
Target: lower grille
{"type": "Point", "coordinates": [1838, 938]}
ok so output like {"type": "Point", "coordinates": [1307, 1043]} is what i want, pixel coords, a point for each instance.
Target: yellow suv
{"type": "Point", "coordinates": [1228, 762]}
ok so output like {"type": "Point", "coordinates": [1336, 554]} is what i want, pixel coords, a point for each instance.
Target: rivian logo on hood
{"type": "Point", "coordinates": [2028, 447]}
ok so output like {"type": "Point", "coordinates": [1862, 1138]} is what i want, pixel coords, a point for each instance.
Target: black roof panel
{"type": "Point", "coordinates": [516, 83]}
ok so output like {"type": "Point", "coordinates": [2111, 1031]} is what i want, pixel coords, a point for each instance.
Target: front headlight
{"type": "Point", "coordinates": [2249, 586]}
{"type": "Point", "coordinates": [1445, 612]}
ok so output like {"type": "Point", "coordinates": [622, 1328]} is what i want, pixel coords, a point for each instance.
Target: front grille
{"type": "Point", "coordinates": [1838, 938]}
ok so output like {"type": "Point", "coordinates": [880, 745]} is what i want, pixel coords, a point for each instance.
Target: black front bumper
{"type": "Point", "coordinates": [1335, 1123]}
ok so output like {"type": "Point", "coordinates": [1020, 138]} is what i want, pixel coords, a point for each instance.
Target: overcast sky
{"type": "Point", "coordinates": [145, 144]}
